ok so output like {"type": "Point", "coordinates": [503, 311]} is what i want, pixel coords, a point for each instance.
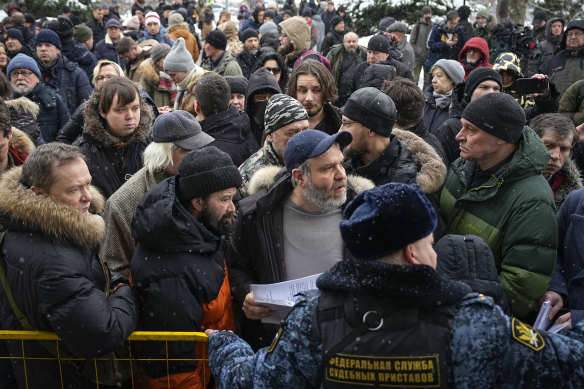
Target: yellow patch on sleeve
{"type": "Point", "coordinates": [526, 335]}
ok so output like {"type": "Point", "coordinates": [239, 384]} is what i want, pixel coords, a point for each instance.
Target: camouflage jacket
{"type": "Point", "coordinates": [263, 157]}
{"type": "Point", "coordinates": [488, 350]}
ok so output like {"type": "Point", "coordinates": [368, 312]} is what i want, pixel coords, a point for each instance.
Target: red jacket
{"type": "Point", "coordinates": [476, 43]}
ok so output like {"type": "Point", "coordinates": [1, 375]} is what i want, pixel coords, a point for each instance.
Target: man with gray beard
{"type": "Point", "coordinates": [25, 78]}
{"type": "Point", "coordinates": [344, 60]}
{"type": "Point", "coordinates": [286, 228]}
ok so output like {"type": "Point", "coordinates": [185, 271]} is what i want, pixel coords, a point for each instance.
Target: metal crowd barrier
{"type": "Point", "coordinates": [137, 336]}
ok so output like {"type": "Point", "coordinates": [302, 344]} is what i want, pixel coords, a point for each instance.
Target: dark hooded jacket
{"type": "Point", "coordinates": [566, 67]}
{"type": "Point", "coordinates": [551, 43]}
{"type": "Point", "coordinates": [53, 110]}
{"type": "Point", "coordinates": [260, 81]}
{"type": "Point", "coordinates": [332, 38]}
{"type": "Point", "coordinates": [59, 284]}
{"type": "Point", "coordinates": [479, 44]}
{"type": "Point", "coordinates": [76, 52]}
{"type": "Point", "coordinates": [179, 272]}
{"type": "Point", "coordinates": [469, 259]}
{"type": "Point", "coordinates": [401, 69]}
{"type": "Point", "coordinates": [69, 80]}
{"type": "Point", "coordinates": [111, 160]}
{"type": "Point", "coordinates": [232, 133]}
{"type": "Point", "coordinates": [256, 252]}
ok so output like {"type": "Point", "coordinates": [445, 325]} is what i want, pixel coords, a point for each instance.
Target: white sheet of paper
{"type": "Point", "coordinates": [280, 296]}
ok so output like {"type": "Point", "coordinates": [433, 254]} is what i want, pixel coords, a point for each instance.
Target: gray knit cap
{"type": "Point", "coordinates": [179, 59]}
{"type": "Point", "coordinates": [452, 68]}
{"type": "Point", "coordinates": [281, 111]}
{"type": "Point", "coordinates": [268, 27]}
{"type": "Point", "coordinates": [159, 51]}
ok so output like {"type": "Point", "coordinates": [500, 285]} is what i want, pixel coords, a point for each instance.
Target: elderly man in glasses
{"type": "Point", "coordinates": [25, 78]}
{"type": "Point", "coordinates": [567, 65]}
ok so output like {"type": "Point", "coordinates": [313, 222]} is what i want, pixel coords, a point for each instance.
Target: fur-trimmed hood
{"type": "Point", "coordinates": [95, 125]}
{"type": "Point", "coordinates": [48, 215]}
{"type": "Point", "coordinates": [432, 173]}
{"type": "Point", "coordinates": [24, 104]}
{"type": "Point", "coordinates": [265, 177]}
{"type": "Point", "coordinates": [147, 70]}
{"type": "Point", "coordinates": [21, 140]}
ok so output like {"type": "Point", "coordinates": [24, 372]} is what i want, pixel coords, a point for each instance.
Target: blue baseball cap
{"type": "Point", "coordinates": [312, 143]}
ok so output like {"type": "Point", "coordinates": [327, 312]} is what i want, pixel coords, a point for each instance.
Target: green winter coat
{"type": "Point", "coordinates": [572, 104]}
{"type": "Point", "coordinates": [514, 213]}
{"type": "Point", "coordinates": [227, 67]}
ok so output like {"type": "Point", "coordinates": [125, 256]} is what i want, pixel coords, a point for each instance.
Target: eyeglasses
{"type": "Point", "coordinates": [345, 123]}
{"type": "Point", "coordinates": [575, 34]}
{"type": "Point", "coordinates": [23, 73]}
{"type": "Point", "coordinates": [101, 78]}
{"type": "Point", "coordinates": [273, 70]}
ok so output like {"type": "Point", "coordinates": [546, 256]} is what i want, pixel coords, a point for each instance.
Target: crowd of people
{"type": "Point", "coordinates": [151, 169]}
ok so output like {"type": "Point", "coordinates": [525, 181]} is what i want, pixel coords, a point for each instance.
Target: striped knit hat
{"type": "Point", "coordinates": [281, 111]}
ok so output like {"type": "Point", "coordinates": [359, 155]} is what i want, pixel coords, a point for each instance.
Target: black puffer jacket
{"type": "Point", "coordinates": [232, 133]}
{"type": "Point", "coordinates": [58, 282]}
{"type": "Point", "coordinates": [469, 259]}
{"type": "Point", "coordinates": [111, 160]}
{"type": "Point", "coordinates": [178, 267]}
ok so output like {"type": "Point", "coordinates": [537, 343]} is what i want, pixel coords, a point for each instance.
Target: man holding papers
{"type": "Point", "coordinates": [287, 227]}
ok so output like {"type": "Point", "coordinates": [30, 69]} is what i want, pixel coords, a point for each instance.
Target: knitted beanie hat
{"type": "Point", "coordinates": [498, 114]}
{"type": "Point", "coordinates": [205, 171]}
{"type": "Point", "coordinates": [372, 108]}
{"type": "Point", "coordinates": [281, 111]}
{"type": "Point", "coordinates": [379, 43]}
{"type": "Point", "coordinates": [82, 33]}
{"type": "Point", "coordinates": [63, 27]}
{"type": "Point", "coordinates": [133, 23]}
{"type": "Point", "coordinates": [217, 39]}
{"type": "Point", "coordinates": [452, 68]}
{"type": "Point", "coordinates": [14, 33]}
{"type": "Point", "coordinates": [268, 27]}
{"type": "Point", "coordinates": [159, 51]}
{"type": "Point", "coordinates": [477, 76]}
{"type": "Point", "coordinates": [385, 219]}
{"type": "Point", "coordinates": [23, 61]}
{"type": "Point", "coordinates": [336, 20]}
{"type": "Point", "coordinates": [175, 18]}
{"type": "Point", "coordinates": [237, 84]}
{"type": "Point", "coordinates": [179, 59]}
{"type": "Point", "coordinates": [48, 36]}
{"type": "Point", "coordinates": [151, 17]}
{"type": "Point", "coordinates": [248, 33]}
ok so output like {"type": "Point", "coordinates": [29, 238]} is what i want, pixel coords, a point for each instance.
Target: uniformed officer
{"type": "Point", "coordinates": [386, 318]}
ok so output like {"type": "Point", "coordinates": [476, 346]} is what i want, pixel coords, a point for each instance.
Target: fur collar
{"type": "Point", "coordinates": [95, 124]}
{"type": "Point", "coordinates": [23, 104]}
{"type": "Point", "coordinates": [21, 140]}
{"type": "Point", "coordinates": [408, 284]}
{"type": "Point", "coordinates": [48, 215]}
{"type": "Point", "coordinates": [264, 178]}
{"type": "Point", "coordinates": [147, 70]}
{"type": "Point", "coordinates": [432, 172]}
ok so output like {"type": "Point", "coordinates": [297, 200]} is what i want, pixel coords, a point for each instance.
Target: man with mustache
{"type": "Point", "coordinates": [178, 267]}
{"type": "Point", "coordinates": [558, 134]}
{"type": "Point", "coordinates": [496, 190]}
{"type": "Point", "coordinates": [286, 228]}
{"type": "Point", "coordinates": [25, 78]}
